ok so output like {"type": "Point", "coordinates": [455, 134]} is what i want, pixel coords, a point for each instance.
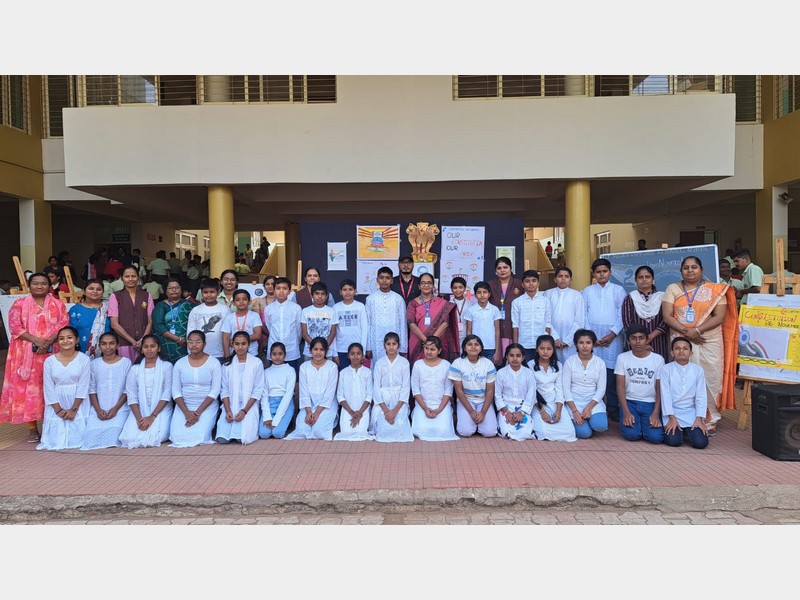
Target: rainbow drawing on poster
{"type": "Point", "coordinates": [379, 241]}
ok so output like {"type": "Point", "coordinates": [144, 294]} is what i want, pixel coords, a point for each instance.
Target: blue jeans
{"type": "Point", "coordinates": [279, 430]}
{"type": "Point", "coordinates": [529, 356]}
{"type": "Point", "coordinates": [597, 422]}
{"type": "Point", "coordinates": [697, 438]}
{"type": "Point", "coordinates": [641, 428]}
{"type": "Point", "coordinates": [488, 353]}
{"type": "Point", "coordinates": [344, 360]}
{"type": "Point", "coordinates": [612, 401]}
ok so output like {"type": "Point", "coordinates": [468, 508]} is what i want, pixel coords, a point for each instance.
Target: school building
{"type": "Point", "coordinates": [605, 159]}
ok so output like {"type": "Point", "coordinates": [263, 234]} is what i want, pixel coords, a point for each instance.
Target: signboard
{"type": "Point", "coordinates": [666, 264]}
{"type": "Point", "coordinates": [769, 338]}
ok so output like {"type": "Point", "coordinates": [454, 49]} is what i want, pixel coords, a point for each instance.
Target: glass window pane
{"type": "Point", "coordinates": [744, 86]}
{"type": "Point", "coordinates": [477, 86]}
{"type": "Point", "coordinates": [58, 98]}
{"type": "Point", "coordinates": [554, 85]}
{"type": "Point", "coordinates": [521, 85]}
{"type": "Point", "coordinates": [237, 88]}
{"type": "Point", "coordinates": [101, 90]}
{"type": "Point", "coordinates": [18, 101]}
{"type": "Point", "coordinates": [298, 89]}
{"type": "Point", "coordinates": [278, 88]}
{"type": "Point", "coordinates": [321, 88]}
{"type": "Point", "coordinates": [254, 88]}
{"type": "Point", "coordinates": [137, 89]}
{"type": "Point", "coordinates": [611, 85]}
{"type": "Point", "coordinates": [177, 90]}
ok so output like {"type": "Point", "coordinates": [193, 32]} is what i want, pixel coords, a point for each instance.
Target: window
{"type": "Point", "coordinates": [787, 94]}
{"type": "Point", "coordinates": [602, 243]}
{"type": "Point", "coordinates": [748, 96]}
{"type": "Point", "coordinates": [511, 86]}
{"type": "Point", "coordinates": [249, 89]}
{"type": "Point", "coordinates": [14, 109]}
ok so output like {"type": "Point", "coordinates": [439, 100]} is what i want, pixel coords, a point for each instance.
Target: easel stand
{"type": "Point", "coordinates": [780, 281]}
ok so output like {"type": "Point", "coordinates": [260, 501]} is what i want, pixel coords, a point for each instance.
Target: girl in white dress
{"type": "Point", "coordinates": [391, 386]}
{"type": "Point", "coordinates": [318, 408]}
{"type": "Point", "coordinates": [149, 391]}
{"type": "Point", "coordinates": [277, 400]}
{"type": "Point", "coordinates": [196, 383]}
{"type": "Point", "coordinates": [355, 397]}
{"type": "Point", "coordinates": [432, 419]}
{"type": "Point", "coordinates": [67, 374]}
{"type": "Point", "coordinates": [109, 403]}
{"type": "Point", "coordinates": [242, 387]}
{"type": "Point", "coordinates": [515, 395]}
{"type": "Point", "coordinates": [584, 384]}
{"type": "Point", "coordinates": [473, 379]}
{"type": "Point", "coordinates": [549, 423]}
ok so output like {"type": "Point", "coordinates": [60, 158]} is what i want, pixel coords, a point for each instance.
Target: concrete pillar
{"type": "Point", "coordinates": [220, 228]}
{"type": "Point", "coordinates": [772, 222]}
{"type": "Point", "coordinates": [35, 233]}
{"type": "Point", "coordinates": [292, 245]}
{"type": "Point", "coordinates": [578, 233]}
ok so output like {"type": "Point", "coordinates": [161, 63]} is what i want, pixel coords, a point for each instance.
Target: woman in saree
{"type": "Point", "coordinates": [33, 322]}
{"type": "Point", "coordinates": [431, 315]}
{"type": "Point", "coordinates": [90, 318]}
{"type": "Point", "coordinates": [705, 313]}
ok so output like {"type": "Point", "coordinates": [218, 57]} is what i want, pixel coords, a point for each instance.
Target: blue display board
{"type": "Point", "coordinates": [666, 264]}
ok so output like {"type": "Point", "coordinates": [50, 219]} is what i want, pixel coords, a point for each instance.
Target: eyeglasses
{"type": "Point", "coordinates": [195, 342]}
{"type": "Point", "coordinates": [173, 287]}
{"type": "Point", "coordinates": [426, 283]}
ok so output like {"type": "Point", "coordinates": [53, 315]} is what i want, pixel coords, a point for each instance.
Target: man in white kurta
{"type": "Point", "coordinates": [386, 312]}
{"type": "Point", "coordinates": [603, 301]}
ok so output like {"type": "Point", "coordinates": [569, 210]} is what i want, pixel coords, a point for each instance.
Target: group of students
{"type": "Point", "coordinates": [220, 391]}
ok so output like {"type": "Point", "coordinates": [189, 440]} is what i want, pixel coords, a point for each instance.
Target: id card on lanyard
{"type": "Point", "coordinates": [427, 305]}
{"type": "Point", "coordinates": [690, 315]}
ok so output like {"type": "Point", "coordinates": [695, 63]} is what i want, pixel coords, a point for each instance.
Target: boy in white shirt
{"type": "Point", "coordinates": [242, 319]}
{"type": "Point", "coordinates": [683, 398]}
{"type": "Point", "coordinates": [352, 324]}
{"type": "Point", "coordinates": [282, 318]}
{"type": "Point", "coordinates": [530, 315]}
{"type": "Point", "coordinates": [208, 317]}
{"type": "Point", "coordinates": [458, 287]}
{"type": "Point", "coordinates": [319, 320]}
{"type": "Point", "coordinates": [483, 319]}
{"type": "Point", "coordinates": [637, 374]}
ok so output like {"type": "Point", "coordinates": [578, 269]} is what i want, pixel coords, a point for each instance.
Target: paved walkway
{"type": "Point", "coordinates": [277, 476]}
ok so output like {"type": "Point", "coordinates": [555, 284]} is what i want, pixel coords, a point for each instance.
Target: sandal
{"type": "Point", "coordinates": [34, 437]}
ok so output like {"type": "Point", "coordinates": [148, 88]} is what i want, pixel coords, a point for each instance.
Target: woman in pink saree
{"type": "Point", "coordinates": [33, 322]}
{"type": "Point", "coordinates": [429, 315]}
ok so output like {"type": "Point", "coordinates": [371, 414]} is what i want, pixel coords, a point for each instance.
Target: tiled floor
{"type": "Point", "coordinates": [304, 466]}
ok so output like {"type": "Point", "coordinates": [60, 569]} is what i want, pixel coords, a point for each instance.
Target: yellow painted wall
{"type": "Point", "coordinates": [781, 166]}
{"type": "Point", "coordinates": [21, 153]}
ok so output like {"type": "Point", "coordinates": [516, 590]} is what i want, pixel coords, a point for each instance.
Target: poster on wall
{"type": "Point", "coordinates": [463, 243]}
{"type": "Point", "coordinates": [337, 256]}
{"type": "Point", "coordinates": [510, 252]}
{"type": "Point", "coordinates": [769, 338]}
{"type": "Point", "coordinates": [666, 264]}
{"type": "Point", "coordinates": [470, 270]}
{"type": "Point", "coordinates": [367, 272]}
{"type": "Point", "coordinates": [378, 242]}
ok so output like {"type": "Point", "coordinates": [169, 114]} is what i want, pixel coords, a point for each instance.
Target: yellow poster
{"type": "Point", "coordinates": [769, 337]}
{"type": "Point", "coordinates": [378, 242]}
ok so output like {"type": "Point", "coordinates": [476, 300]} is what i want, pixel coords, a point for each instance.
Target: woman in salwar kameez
{"type": "Point", "coordinates": [241, 390]}
{"type": "Point", "coordinates": [66, 394]}
{"type": "Point", "coordinates": [33, 322]}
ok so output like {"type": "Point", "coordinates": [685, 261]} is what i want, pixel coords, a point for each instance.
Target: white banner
{"type": "Point", "coordinates": [470, 270]}
{"type": "Point", "coordinates": [337, 256]}
{"type": "Point", "coordinates": [463, 243]}
{"type": "Point", "coordinates": [367, 272]}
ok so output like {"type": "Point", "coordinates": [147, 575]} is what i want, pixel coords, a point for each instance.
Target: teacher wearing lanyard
{"type": "Point", "coordinates": [431, 315]}
{"type": "Point", "coordinates": [505, 288]}
{"type": "Point", "coordinates": [170, 317]}
{"type": "Point", "coordinates": [705, 313]}
{"type": "Point", "coordinates": [406, 285]}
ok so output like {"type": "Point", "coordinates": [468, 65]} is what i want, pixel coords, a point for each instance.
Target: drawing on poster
{"type": "Point", "coordinates": [378, 242]}
{"type": "Point", "coordinates": [337, 256]}
{"type": "Point", "coordinates": [769, 338]}
{"type": "Point", "coordinates": [367, 271]}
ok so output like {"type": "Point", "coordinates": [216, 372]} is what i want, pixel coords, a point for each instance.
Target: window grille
{"type": "Point", "coordinates": [787, 94]}
{"type": "Point", "coordinates": [14, 97]}
{"type": "Point", "coordinates": [309, 89]}
{"type": "Point", "coordinates": [511, 86]}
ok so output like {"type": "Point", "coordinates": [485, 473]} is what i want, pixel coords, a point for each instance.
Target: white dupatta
{"type": "Point", "coordinates": [241, 389]}
{"type": "Point", "coordinates": [148, 405]}
{"type": "Point", "coordinates": [646, 309]}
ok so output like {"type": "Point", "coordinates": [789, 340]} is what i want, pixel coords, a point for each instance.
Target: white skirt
{"type": "Point", "coordinates": [438, 429]}
{"type": "Point", "coordinates": [104, 434]}
{"type": "Point", "coordinates": [133, 437]}
{"type": "Point", "coordinates": [182, 436]}
{"type": "Point", "coordinates": [322, 429]}
{"type": "Point", "coordinates": [354, 434]}
{"type": "Point", "coordinates": [246, 430]}
{"type": "Point", "coordinates": [563, 431]}
{"type": "Point", "coordinates": [521, 432]}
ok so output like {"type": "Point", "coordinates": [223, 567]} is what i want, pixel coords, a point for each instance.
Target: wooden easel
{"type": "Point", "coordinates": [23, 285]}
{"type": "Point", "coordinates": [780, 282]}
{"type": "Point", "coordinates": [72, 296]}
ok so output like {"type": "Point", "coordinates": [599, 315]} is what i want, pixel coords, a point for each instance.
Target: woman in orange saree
{"type": "Point", "coordinates": [706, 314]}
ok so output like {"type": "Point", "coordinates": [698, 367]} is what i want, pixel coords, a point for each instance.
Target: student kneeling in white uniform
{"type": "Point", "coordinates": [514, 396]}
{"type": "Point", "coordinates": [473, 378]}
{"type": "Point", "coordinates": [355, 397]}
{"type": "Point", "coordinates": [241, 390]}
{"type": "Point", "coordinates": [432, 419]}
{"type": "Point", "coordinates": [683, 398]}
{"type": "Point", "coordinates": [318, 408]}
